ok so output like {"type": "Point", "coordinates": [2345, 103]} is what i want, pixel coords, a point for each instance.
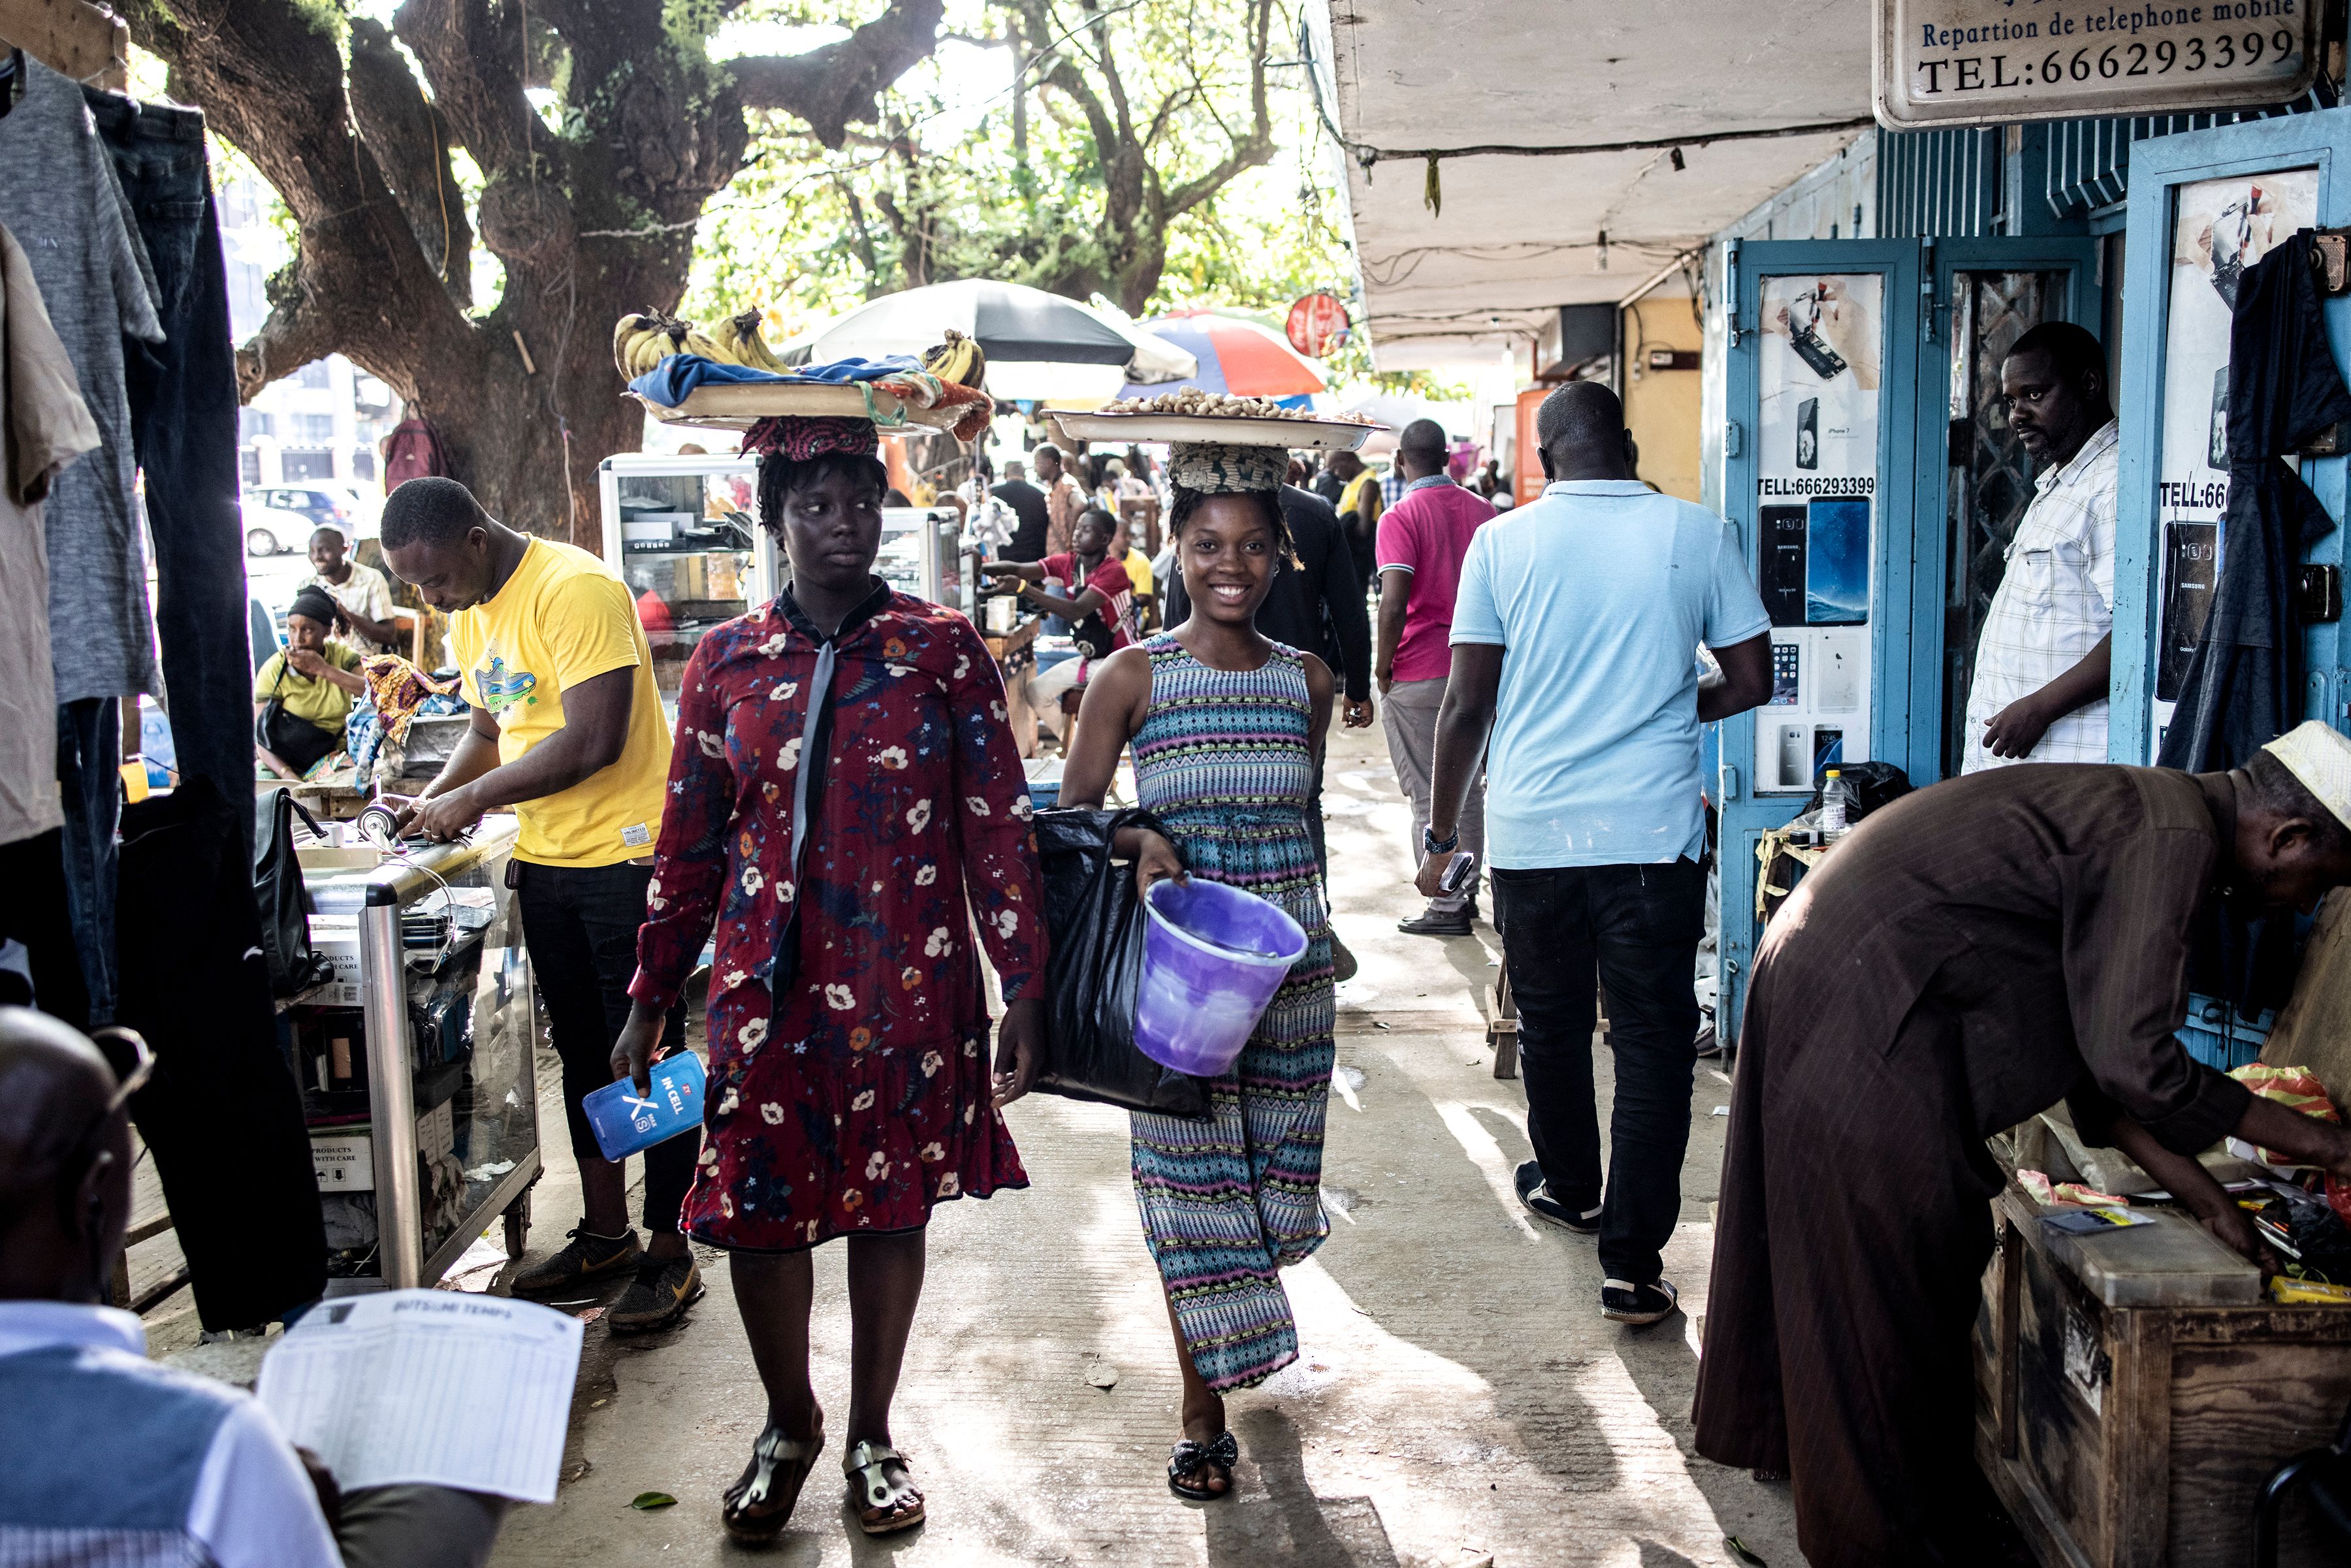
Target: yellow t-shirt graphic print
{"type": "Point", "coordinates": [562, 619]}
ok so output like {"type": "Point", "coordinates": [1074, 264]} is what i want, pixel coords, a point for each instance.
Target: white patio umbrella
{"type": "Point", "coordinates": [1038, 345]}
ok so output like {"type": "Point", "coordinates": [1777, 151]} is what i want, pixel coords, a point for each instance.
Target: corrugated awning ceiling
{"type": "Point", "coordinates": [1518, 235]}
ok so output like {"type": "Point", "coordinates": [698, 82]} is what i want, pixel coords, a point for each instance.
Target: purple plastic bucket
{"type": "Point", "coordinates": [1212, 958]}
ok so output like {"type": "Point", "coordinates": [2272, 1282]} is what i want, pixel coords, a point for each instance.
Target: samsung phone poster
{"type": "Point", "coordinates": [2219, 227]}
{"type": "Point", "coordinates": [1816, 445]}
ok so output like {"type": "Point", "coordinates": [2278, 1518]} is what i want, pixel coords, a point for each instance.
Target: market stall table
{"type": "Point", "coordinates": [2135, 1388]}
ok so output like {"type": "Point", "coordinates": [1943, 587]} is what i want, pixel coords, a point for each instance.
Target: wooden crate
{"type": "Point", "coordinates": [2127, 1436]}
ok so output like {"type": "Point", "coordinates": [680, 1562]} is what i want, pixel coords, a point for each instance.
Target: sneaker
{"type": "Point", "coordinates": [663, 1287]}
{"type": "Point", "coordinates": [1540, 1203]}
{"type": "Point", "coordinates": [1435, 922]}
{"type": "Point", "coordinates": [586, 1257]}
{"type": "Point", "coordinates": [1622, 1302]}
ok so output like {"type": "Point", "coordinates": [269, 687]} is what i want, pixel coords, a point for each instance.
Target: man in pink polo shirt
{"type": "Point", "coordinates": [1421, 539]}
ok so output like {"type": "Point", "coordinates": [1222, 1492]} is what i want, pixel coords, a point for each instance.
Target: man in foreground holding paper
{"type": "Point", "coordinates": [1966, 958]}
{"type": "Point", "coordinates": [112, 1458]}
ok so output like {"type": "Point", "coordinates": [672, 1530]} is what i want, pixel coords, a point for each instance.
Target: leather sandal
{"type": "Point", "coordinates": [780, 1467]}
{"type": "Point", "coordinates": [869, 1489]}
{"type": "Point", "coordinates": [1189, 1456]}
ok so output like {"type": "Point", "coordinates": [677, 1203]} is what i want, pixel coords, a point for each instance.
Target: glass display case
{"type": "Point", "coordinates": [680, 530]}
{"type": "Point", "coordinates": [415, 1057]}
{"type": "Point", "coordinates": [921, 554]}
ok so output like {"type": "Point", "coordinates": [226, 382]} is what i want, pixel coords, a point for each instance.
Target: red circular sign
{"type": "Point", "coordinates": [1317, 323]}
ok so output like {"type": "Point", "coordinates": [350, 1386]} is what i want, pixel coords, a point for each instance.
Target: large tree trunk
{"type": "Point", "coordinates": [591, 222]}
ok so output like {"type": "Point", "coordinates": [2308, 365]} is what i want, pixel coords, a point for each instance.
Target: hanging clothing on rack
{"type": "Point", "coordinates": [59, 196]}
{"type": "Point", "coordinates": [44, 427]}
{"type": "Point", "coordinates": [2243, 685]}
{"type": "Point", "coordinates": [222, 1113]}
{"type": "Point", "coordinates": [183, 414]}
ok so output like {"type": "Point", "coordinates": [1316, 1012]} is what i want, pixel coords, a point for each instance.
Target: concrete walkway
{"type": "Point", "coordinates": [1458, 1397]}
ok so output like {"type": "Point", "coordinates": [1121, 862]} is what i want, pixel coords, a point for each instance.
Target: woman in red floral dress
{"type": "Point", "coordinates": [846, 803]}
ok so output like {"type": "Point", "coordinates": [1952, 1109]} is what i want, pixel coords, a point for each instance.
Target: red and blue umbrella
{"type": "Point", "coordinates": [1236, 355]}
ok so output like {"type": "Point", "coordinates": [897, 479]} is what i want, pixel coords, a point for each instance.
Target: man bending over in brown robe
{"type": "Point", "coordinates": [1966, 957]}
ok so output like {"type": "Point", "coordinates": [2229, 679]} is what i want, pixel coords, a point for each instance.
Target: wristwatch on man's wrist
{"type": "Point", "coordinates": [1431, 845]}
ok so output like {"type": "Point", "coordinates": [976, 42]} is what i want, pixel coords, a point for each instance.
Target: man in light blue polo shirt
{"type": "Point", "coordinates": [1575, 637]}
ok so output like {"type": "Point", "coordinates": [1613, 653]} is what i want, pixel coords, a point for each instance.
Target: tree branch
{"type": "Point", "coordinates": [269, 76]}
{"type": "Point", "coordinates": [300, 329]}
{"type": "Point", "coordinates": [412, 150]}
{"type": "Point", "coordinates": [829, 87]}
{"type": "Point", "coordinates": [1248, 151]}
{"type": "Point", "coordinates": [1107, 61]}
{"type": "Point", "coordinates": [473, 56]}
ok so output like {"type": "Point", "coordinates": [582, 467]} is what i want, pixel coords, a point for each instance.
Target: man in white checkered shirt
{"type": "Point", "coordinates": [2044, 659]}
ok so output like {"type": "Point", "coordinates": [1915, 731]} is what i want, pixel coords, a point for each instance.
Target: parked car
{"type": "Point", "coordinates": [325, 505]}
{"type": "Point", "coordinates": [270, 529]}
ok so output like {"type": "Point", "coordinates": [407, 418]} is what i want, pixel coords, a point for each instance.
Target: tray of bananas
{"type": "Point", "coordinates": [644, 341]}
{"type": "Point", "coordinates": [1188, 414]}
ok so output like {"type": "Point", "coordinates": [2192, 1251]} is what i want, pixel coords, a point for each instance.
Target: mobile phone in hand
{"type": "Point", "coordinates": [1456, 873]}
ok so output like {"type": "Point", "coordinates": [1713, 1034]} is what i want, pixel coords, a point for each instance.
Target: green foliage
{"type": "Point", "coordinates": [951, 187]}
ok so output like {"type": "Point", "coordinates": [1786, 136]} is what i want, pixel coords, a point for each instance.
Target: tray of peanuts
{"type": "Point", "coordinates": [1188, 414]}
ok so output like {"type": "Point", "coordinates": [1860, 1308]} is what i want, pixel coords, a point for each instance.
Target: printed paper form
{"type": "Point", "coordinates": [429, 1387]}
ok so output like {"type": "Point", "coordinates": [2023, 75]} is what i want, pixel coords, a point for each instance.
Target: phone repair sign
{"type": "Point", "coordinates": [1984, 62]}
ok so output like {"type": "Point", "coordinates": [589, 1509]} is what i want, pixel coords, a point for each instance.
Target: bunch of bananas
{"type": "Point", "coordinates": [737, 341]}
{"type": "Point", "coordinates": [958, 360]}
{"type": "Point", "coordinates": [642, 341]}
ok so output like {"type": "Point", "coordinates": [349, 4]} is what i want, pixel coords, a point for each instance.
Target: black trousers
{"type": "Point", "coordinates": [580, 924]}
{"type": "Point", "coordinates": [183, 419]}
{"type": "Point", "coordinates": [1635, 929]}
{"type": "Point", "coordinates": [221, 1115]}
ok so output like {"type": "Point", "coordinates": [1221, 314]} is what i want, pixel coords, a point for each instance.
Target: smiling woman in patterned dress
{"type": "Point", "coordinates": [1225, 726]}
{"type": "Point", "coordinates": [845, 797]}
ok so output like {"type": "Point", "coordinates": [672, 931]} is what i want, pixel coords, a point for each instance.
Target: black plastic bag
{"type": "Point", "coordinates": [282, 896]}
{"type": "Point", "coordinates": [1874, 784]}
{"type": "Point", "coordinates": [1096, 924]}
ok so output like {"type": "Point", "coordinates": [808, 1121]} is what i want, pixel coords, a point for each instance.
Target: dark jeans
{"type": "Point", "coordinates": [1639, 926]}
{"type": "Point", "coordinates": [90, 756]}
{"type": "Point", "coordinates": [580, 924]}
{"type": "Point", "coordinates": [184, 413]}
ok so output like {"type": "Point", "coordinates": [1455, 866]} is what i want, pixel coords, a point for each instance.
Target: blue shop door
{"type": "Point", "coordinates": [1822, 394]}
{"type": "Point", "coordinates": [1875, 497]}
{"type": "Point", "coordinates": [2204, 205]}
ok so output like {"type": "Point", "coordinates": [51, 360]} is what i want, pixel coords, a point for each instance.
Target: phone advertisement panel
{"type": "Point", "coordinates": [2219, 227]}
{"type": "Point", "coordinates": [1819, 367]}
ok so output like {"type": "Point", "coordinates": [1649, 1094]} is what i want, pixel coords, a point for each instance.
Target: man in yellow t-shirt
{"type": "Point", "coordinates": [567, 730]}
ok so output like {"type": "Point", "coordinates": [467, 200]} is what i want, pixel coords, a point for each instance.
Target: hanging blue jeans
{"type": "Point", "coordinates": [184, 411]}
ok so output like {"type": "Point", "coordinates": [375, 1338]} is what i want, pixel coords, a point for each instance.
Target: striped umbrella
{"type": "Point", "coordinates": [1236, 355]}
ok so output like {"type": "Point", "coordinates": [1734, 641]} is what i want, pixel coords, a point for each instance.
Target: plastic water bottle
{"type": "Point", "coordinates": [1837, 800]}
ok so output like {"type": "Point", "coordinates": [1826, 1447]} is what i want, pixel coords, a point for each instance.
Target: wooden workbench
{"type": "Point", "coordinates": [2135, 1389]}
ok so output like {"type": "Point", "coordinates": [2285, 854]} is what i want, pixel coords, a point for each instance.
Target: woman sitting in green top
{"type": "Point", "coordinates": [313, 681]}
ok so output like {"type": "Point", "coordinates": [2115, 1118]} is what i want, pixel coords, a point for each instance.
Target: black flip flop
{"type": "Point", "coordinates": [1188, 1456]}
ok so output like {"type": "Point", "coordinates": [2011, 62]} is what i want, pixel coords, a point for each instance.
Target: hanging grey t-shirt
{"type": "Point", "coordinates": [58, 198]}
